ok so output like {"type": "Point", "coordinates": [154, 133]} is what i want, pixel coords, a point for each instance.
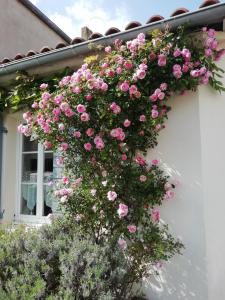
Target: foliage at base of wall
{"type": "Point", "coordinates": [58, 262]}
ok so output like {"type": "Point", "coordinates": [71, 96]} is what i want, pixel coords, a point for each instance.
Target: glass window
{"type": "Point", "coordinates": [39, 173]}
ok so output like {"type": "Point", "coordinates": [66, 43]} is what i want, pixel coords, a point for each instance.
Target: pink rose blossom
{"type": "Point", "coordinates": [47, 145]}
{"type": "Point", "coordinates": [63, 146]}
{"type": "Point", "coordinates": [177, 71]}
{"type": "Point", "coordinates": [208, 52]}
{"type": "Point", "coordinates": [88, 97]}
{"type": "Point", "coordinates": [115, 108]}
{"type": "Point", "coordinates": [100, 146]}
{"type": "Point", "coordinates": [155, 215]}
{"type": "Point", "coordinates": [76, 90]}
{"type": "Point", "coordinates": [89, 132]}
{"type": "Point", "coordinates": [43, 86]}
{"type": "Point", "coordinates": [126, 123]}
{"type": "Point", "coordinates": [132, 89]}
{"type": "Point", "coordinates": [122, 244]}
{"type": "Point", "coordinates": [104, 87]}
{"type": "Point", "coordinates": [34, 105]}
{"type": "Point", "coordinates": [46, 96]}
{"type": "Point", "coordinates": [163, 86]}
{"type": "Point", "coordinates": [98, 140]}
{"type": "Point", "coordinates": [141, 74]}
{"type": "Point", "coordinates": [87, 146]}
{"type": "Point", "coordinates": [153, 97]}
{"type": "Point", "coordinates": [155, 113]}
{"type": "Point", "coordinates": [124, 87]}
{"type": "Point", "coordinates": [77, 134]}
{"type": "Point", "coordinates": [85, 117]}
{"type": "Point", "coordinates": [161, 96]}
{"type": "Point", "coordinates": [128, 65]}
{"type": "Point", "coordinates": [122, 210]}
{"type": "Point", "coordinates": [81, 108]}
{"type": "Point", "coordinates": [155, 162]}
{"type": "Point", "coordinates": [58, 99]}
{"type": "Point", "coordinates": [177, 52]}
{"type": "Point", "coordinates": [118, 134]}
{"type": "Point", "coordinates": [186, 54]}
{"type": "Point", "coordinates": [142, 118]}
{"type": "Point", "coordinates": [108, 49]}
{"type": "Point", "coordinates": [64, 106]}
{"type": "Point", "coordinates": [143, 178]}
{"type": "Point", "coordinates": [162, 60]}
{"type": "Point", "coordinates": [132, 228]}
{"type": "Point", "coordinates": [119, 70]}
{"type": "Point", "coordinates": [169, 194]}
{"type": "Point", "coordinates": [140, 160]}
{"type": "Point", "coordinates": [124, 157]}
{"type": "Point", "coordinates": [111, 195]}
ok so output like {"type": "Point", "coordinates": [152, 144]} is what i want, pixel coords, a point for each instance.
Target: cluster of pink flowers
{"type": "Point", "coordinates": [136, 44]}
{"type": "Point", "coordinates": [25, 129]}
{"type": "Point", "coordinates": [118, 133]}
{"type": "Point", "coordinates": [76, 118]}
{"type": "Point", "coordinates": [210, 43]}
{"type": "Point", "coordinates": [155, 215]}
{"type": "Point", "coordinates": [99, 142]}
{"type": "Point", "coordinates": [157, 95]}
{"type": "Point", "coordinates": [64, 194]}
{"type": "Point", "coordinates": [115, 108]}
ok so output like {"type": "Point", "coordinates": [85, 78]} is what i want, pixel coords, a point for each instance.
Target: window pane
{"type": "Point", "coordinates": [29, 167]}
{"type": "Point", "coordinates": [29, 145]}
{"type": "Point", "coordinates": [50, 202]}
{"type": "Point", "coordinates": [52, 172]}
{"type": "Point", "coordinates": [48, 167]}
{"type": "Point", "coordinates": [28, 199]}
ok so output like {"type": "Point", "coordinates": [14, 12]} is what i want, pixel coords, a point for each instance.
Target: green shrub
{"type": "Point", "coordinates": [58, 262]}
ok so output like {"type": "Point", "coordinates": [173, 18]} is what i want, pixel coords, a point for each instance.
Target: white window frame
{"type": "Point", "coordinates": [38, 218]}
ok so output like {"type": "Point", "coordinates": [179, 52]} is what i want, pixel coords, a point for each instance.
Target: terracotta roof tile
{"type": "Point", "coordinates": [31, 53]}
{"type": "Point", "coordinates": [77, 40]}
{"type": "Point", "coordinates": [179, 11]}
{"type": "Point", "coordinates": [208, 3]}
{"type": "Point", "coordinates": [19, 56]}
{"type": "Point", "coordinates": [132, 24]}
{"type": "Point", "coordinates": [111, 30]}
{"type": "Point", "coordinates": [61, 45]}
{"type": "Point", "coordinates": [95, 35]}
{"type": "Point", "coordinates": [45, 49]}
{"type": "Point", "coordinates": [5, 60]}
{"type": "Point", "coordinates": [154, 18]}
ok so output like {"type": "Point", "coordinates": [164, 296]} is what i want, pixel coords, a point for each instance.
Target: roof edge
{"type": "Point", "coordinates": [50, 60]}
{"type": "Point", "coordinates": [38, 13]}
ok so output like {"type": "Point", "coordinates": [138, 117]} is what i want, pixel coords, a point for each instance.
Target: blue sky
{"type": "Point", "coordinates": [99, 15]}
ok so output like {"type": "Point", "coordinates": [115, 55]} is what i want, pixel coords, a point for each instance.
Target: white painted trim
{"type": "Point", "coordinates": [30, 219]}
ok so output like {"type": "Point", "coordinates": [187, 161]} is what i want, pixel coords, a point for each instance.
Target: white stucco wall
{"type": "Point", "coordinates": [21, 30]}
{"type": "Point", "coordinates": [9, 168]}
{"type": "Point", "coordinates": [191, 150]}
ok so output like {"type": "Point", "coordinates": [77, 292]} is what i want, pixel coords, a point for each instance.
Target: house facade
{"type": "Point", "coordinates": [191, 150]}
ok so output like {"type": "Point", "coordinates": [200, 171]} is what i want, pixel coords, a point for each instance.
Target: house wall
{"type": "Point", "coordinates": [9, 167]}
{"type": "Point", "coordinates": [191, 150]}
{"type": "Point", "coordinates": [21, 30]}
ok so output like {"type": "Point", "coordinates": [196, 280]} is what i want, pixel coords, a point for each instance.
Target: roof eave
{"type": "Point", "coordinates": [71, 55]}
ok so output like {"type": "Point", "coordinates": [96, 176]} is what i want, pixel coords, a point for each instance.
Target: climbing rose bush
{"type": "Point", "coordinates": [102, 120]}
